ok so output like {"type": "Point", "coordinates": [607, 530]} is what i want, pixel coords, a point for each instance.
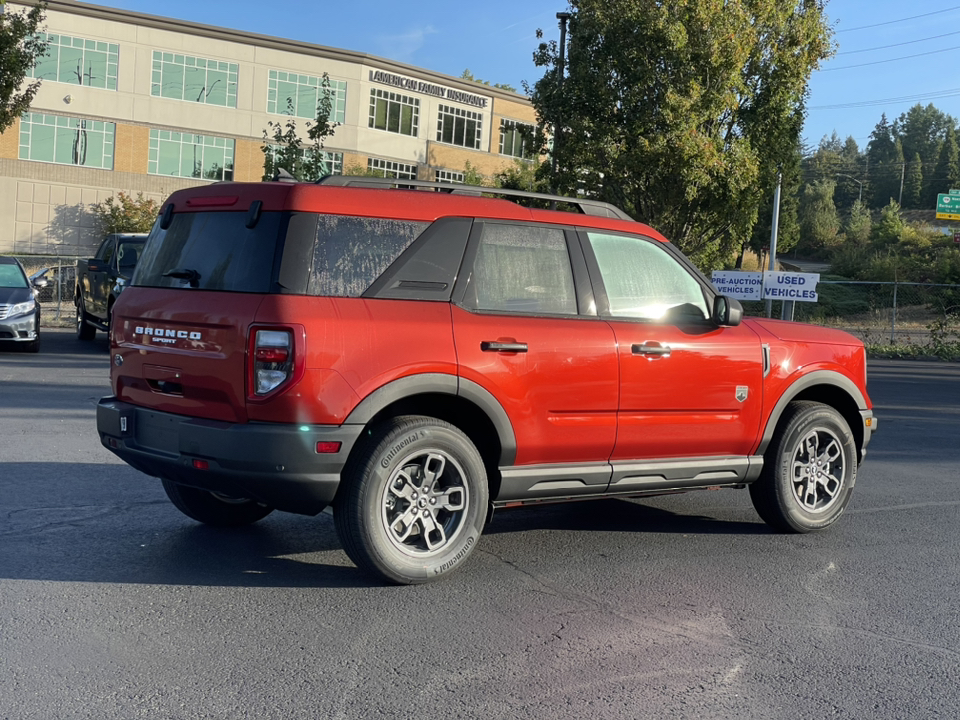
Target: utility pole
{"type": "Point", "coordinates": [903, 170]}
{"type": "Point", "coordinates": [775, 225]}
{"type": "Point", "coordinates": [563, 17]}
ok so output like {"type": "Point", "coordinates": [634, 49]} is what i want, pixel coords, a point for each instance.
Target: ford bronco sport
{"type": "Point", "coordinates": [415, 358]}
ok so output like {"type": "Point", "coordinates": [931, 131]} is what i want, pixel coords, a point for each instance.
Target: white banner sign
{"type": "Point", "coordinates": [801, 287]}
{"type": "Point", "coordinates": [739, 285]}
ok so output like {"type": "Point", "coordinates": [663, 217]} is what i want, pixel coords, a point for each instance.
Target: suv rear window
{"type": "Point", "coordinates": [219, 249]}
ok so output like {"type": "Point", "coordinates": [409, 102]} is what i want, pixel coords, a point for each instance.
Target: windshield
{"type": "Point", "coordinates": [12, 277]}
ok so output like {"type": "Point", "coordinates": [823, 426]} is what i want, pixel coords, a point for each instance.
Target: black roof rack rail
{"type": "Point", "coordinates": [586, 206]}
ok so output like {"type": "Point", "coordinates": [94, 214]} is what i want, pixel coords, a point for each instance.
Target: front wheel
{"type": "Point", "coordinates": [214, 508]}
{"type": "Point", "coordinates": [414, 503]}
{"type": "Point", "coordinates": [809, 469]}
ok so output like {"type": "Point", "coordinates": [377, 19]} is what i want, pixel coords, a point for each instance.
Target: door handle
{"type": "Point", "coordinates": [651, 348]}
{"type": "Point", "coordinates": [494, 346]}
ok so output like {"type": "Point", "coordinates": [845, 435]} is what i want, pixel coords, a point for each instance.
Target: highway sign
{"type": "Point", "coordinates": [948, 207]}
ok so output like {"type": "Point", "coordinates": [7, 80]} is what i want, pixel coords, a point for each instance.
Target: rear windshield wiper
{"type": "Point", "coordinates": [188, 274]}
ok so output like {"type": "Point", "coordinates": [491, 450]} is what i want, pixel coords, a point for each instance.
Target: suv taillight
{"type": "Point", "coordinates": [272, 357]}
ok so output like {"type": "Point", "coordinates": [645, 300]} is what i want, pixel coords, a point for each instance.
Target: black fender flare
{"type": "Point", "coordinates": [443, 384]}
{"type": "Point", "coordinates": [818, 377]}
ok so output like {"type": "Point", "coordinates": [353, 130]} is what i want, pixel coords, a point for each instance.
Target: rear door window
{"type": "Point", "coordinates": [211, 251]}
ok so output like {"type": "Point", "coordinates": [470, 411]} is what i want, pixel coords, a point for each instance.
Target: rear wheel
{"type": "Point", "coordinates": [85, 331]}
{"type": "Point", "coordinates": [214, 508]}
{"type": "Point", "coordinates": [413, 505]}
{"type": "Point", "coordinates": [809, 469]}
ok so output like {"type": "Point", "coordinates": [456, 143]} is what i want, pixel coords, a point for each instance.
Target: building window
{"type": "Point", "coordinates": [331, 163]}
{"type": "Point", "coordinates": [189, 155]}
{"type": "Point", "coordinates": [394, 113]}
{"type": "Point", "coordinates": [301, 94]}
{"type": "Point", "coordinates": [515, 138]}
{"type": "Point", "coordinates": [66, 140]}
{"type": "Point", "coordinates": [183, 77]}
{"type": "Point", "coordinates": [391, 169]}
{"type": "Point", "coordinates": [78, 61]}
{"type": "Point", "coordinates": [459, 127]}
{"type": "Point", "coordinates": [449, 176]}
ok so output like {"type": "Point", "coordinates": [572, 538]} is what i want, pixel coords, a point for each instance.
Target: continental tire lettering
{"type": "Point", "coordinates": [456, 558]}
{"type": "Point", "coordinates": [395, 450]}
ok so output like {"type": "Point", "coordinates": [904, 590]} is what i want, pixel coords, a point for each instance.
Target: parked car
{"type": "Point", "coordinates": [101, 279]}
{"type": "Point", "coordinates": [19, 307]}
{"type": "Point", "coordinates": [417, 359]}
{"type": "Point", "coordinates": [61, 280]}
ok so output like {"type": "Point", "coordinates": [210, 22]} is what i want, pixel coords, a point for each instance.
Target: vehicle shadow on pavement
{"type": "Point", "coordinates": [618, 515]}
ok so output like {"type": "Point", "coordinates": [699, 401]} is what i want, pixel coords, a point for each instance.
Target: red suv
{"type": "Point", "coordinates": [415, 358]}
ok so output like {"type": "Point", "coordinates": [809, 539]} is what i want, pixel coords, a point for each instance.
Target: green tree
{"type": "Point", "coordinates": [681, 112]}
{"type": "Point", "coordinates": [857, 229]}
{"type": "Point", "coordinates": [884, 159]}
{"type": "Point", "coordinates": [819, 222]}
{"type": "Point", "coordinates": [888, 230]}
{"type": "Point", "coordinates": [922, 131]}
{"type": "Point", "coordinates": [472, 176]}
{"type": "Point", "coordinates": [467, 75]}
{"type": "Point", "coordinates": [913, 184]}
{"type": "Point", "coordinates": [283, 148]}
{"type": "Point", "coordinates": [20, 49]}
{"type": "Point", "coordinates": [946, 174]}
{"type": "Point", "coordinates": [125, 214]}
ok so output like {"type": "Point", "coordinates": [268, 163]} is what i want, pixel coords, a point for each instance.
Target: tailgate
{"type": "Point", "coordinates": [183, 351]}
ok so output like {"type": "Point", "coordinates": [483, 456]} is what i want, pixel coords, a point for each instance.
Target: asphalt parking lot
{"type": "Point", "coordinates": [114, 605]}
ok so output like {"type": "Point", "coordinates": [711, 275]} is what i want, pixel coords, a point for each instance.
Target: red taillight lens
{"type": "Point", "coordinates": [272, 360]}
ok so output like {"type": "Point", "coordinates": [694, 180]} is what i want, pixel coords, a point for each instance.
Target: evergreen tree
{"type": "Point", "coordinates": [913, 184]}
{"type": "Point", "coordinates": [884, 161]}
{"type": "Point", "coordinates": [857, 229]}
{"type": "Point", "coordinates": [819, 223]}
{"type": "Point", "coordinates": [946, 174]}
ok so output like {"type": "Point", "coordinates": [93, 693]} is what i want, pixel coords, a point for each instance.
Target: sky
{"type": "Point", "coordinates": [890, 54]}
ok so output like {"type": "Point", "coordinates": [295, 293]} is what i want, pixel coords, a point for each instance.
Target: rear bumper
{"type": "Point", "coordinates": [277, 465]}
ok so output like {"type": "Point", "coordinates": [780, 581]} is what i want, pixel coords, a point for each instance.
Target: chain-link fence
{"type": "Point", "coordinates": [882, 313]}
{"type": "Point", "coordinates": [56, 298]}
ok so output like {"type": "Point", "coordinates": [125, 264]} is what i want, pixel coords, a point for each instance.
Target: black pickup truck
{"type": "Point", "coordinates": [101, 278]}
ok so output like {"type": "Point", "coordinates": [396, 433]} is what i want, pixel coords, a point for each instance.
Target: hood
{"type": "Point", "coordinates": [801, 332]}
{"type": "Point", "coordinates": [13, 296]}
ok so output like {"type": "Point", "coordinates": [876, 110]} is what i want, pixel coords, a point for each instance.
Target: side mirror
{"type": "Point", "coordinates": [40, 283]}
{"type": "Point", "coordinates": [727, 311]}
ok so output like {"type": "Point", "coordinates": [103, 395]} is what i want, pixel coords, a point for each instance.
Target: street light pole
{"type": "Point", "coordinates": [563, 17]}
{"type": "Point", "coordinates": [859, 182]}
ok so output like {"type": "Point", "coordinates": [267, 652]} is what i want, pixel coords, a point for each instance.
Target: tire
{"type": "Point", "coordinates": [809, 470]}
{"type": "Point", "coordinates": [212, 508]}
{"type": "Point", "coordinates": [85, 331]}
{"type": "Point", "coordinates": [414, 501]}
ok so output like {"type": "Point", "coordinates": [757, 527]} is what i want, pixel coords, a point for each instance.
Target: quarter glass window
{"type": "Point", "coordinates": [200, 80]}
{"type": "Point", "coordinates": [67, 141]}
{"type": "Point", "coordinates": [78, 61]}
{"type": "Point", "coordinates": [522, 269]}
{"type": "Point", "coordinates": [643, 280]}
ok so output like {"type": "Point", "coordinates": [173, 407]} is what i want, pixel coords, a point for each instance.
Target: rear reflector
{"type": "Point", "coordinates": [201, 464]}
{"type": "Point", "coordinates": [328, 447]}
